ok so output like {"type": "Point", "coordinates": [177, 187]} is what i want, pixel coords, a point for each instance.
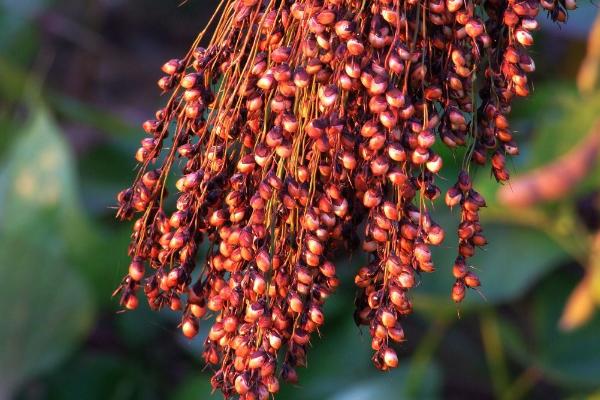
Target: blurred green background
{"type": "Point", "coordinates": [76, 80]}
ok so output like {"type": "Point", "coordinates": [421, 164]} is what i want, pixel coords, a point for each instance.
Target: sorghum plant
{"type": "Point", "coordinates": [304, 127]}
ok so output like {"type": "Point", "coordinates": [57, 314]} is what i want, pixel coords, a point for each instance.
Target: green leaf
{"type": "Point", "coordinates": [545, 97]}
{"type": "Point", "coordinates": [99, 376]}
{"type": "Point", "coordinates": [19, 34]}
{"type": "Point", "coordinates": [45, 310]}
{"type": "Point", "coordinates": [392, 386]}
{"type": "Point", "coordinates": [41, 181]}
{"type": "Point", "coordinates": [566, 358]}
{"type": "Point", "coordinates": [45, 305]}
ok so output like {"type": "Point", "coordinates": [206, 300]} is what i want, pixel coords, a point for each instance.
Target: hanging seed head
{"type": "Point", "coordinates": [297, 125]}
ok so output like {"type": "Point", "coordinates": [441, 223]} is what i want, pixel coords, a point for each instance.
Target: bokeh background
{"type": "Point", "coordinates": [77, 77]}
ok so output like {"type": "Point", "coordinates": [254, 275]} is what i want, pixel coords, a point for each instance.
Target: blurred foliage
{"type": "Point", "coordinates": [569, 358]}
{"type": "Point", "coordinates": [45, 304]}
{"type": "Point", "coordinates": [76, 80]}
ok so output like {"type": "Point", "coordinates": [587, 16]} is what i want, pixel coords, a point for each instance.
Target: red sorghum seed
{"type": "Point", "coordinates": [294, 128]}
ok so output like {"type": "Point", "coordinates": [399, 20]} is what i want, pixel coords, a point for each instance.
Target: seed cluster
{"type": "Point", "coordinates": [301, 123]}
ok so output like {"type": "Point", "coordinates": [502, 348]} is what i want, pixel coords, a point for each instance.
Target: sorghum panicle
{"type": "Point", "coordinates": [299, 124]}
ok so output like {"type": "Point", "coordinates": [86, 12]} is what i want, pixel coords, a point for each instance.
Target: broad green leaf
{"type": "Point", "coordinates": [566, 358]}
{"type": "Point", "coordinates": [95, 375]}
{"type": "Point", "coordinates": [541, 102]}
{"type": "Point", "coordinates": [20, 39]}
{"type": "Point", "coordinates": [41, 180]}
{"type": "Point", "coordinates": [392, 386]}
{"type": "Point", "coordinates": [45, 305]}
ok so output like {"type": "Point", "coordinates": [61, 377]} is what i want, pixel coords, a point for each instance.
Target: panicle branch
{"type": "Point", "coordinates": [301, 123]}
